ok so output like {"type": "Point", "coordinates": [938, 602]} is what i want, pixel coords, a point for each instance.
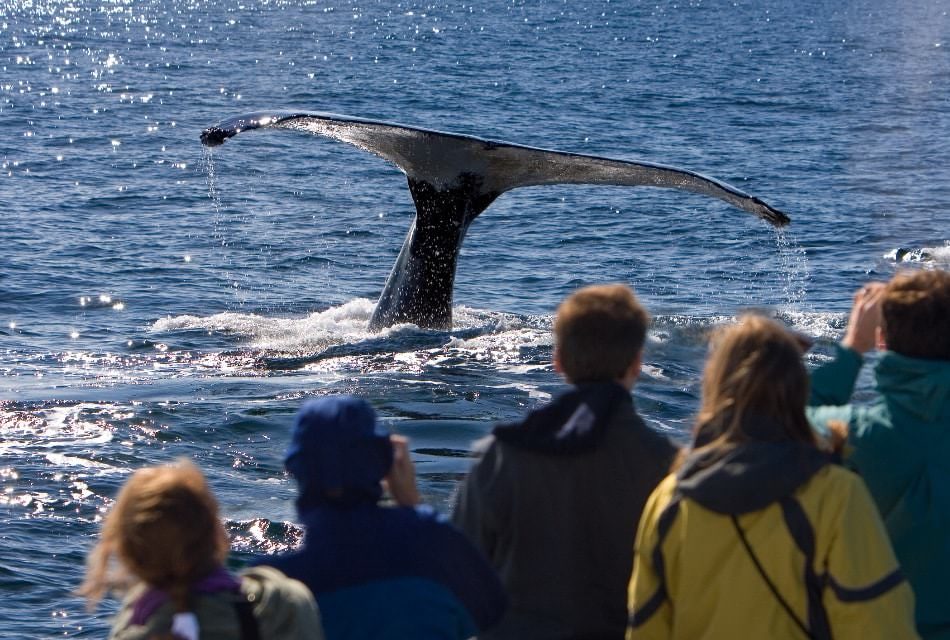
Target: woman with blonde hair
{"type": "Point", "coordinates": [757, 533]}
{"type": "Point", "coordinates": [163, 543]}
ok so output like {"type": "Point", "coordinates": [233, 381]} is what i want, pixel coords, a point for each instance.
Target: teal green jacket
{"type": "Point", "coordinates": [900, 445]}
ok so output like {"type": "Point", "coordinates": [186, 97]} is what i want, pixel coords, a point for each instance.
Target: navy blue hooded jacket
{"type": "Point", "coordinates": [377, 572]}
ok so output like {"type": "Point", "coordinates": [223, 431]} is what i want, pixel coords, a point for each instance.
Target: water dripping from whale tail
{"type": "Point", "coordinates": [452, 179]}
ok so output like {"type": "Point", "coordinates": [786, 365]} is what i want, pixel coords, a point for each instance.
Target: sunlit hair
{"type": "Point", "coordinates": [164, 530]}
{"type": "Point", "coordinates": [754, 376]}
{"type": "Point", "coordinates": [916, 314]}
{"type": "Point", "coordinates": [599, 332]}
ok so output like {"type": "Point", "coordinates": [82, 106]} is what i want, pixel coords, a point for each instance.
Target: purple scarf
{"type": "Point", "coordinates": [150, 601]}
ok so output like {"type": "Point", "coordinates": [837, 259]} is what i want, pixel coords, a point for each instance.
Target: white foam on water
{"type": "Point", "coordinates": [64, 427]}
{"type": "Point", "coordinates": [934, 257]}
{"type": "Point", "coordinates": [347, 324]}
{"type": "Point", "coordinates": [59, 436]}
{"type": "Point", "coordinates": [816, 324]}
{"type": "Point", "coordinates": [338, 325]}
{"type": "Point", "coordinates": [654, 372]}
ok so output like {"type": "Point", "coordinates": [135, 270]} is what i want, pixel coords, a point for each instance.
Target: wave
{"type": "Point", "coordinates": [337, 338]}
{"type": "Point", "coordinates": [938, 257]}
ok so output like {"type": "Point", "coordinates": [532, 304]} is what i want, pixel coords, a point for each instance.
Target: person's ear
{"type": "Point", "coordinates": [633, 371]}
{"type": "Point", "coordinates": [637, 365]}
{"type": "Point", "coordinates": [881, 342]}
{"type": "Point", "coordinates": [557, 362]}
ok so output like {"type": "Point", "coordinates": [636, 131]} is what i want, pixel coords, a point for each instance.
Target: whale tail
{"type": "Point", "coordinates": [452, 179]}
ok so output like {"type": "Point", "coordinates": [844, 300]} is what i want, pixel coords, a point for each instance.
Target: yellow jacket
{"type": "Point", "coordinates": [694, 578]}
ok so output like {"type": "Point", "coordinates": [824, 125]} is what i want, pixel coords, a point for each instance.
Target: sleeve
{"type": "Point", "coordinates": [833, 383]}
{"type": "Point", "coordinates": [821, 417]}
{"type": "Point", "coordinates": [479, 510]}
{"type": "Point", "coordinates": [867, 597]}
{"type": "Point", "coordinates": [831, 387]}
{"type": "Point", "coordinates": [470, 577]}
{"type": "Point", "coordinates": [651, 614]}
{"type": "Point", "coordinates": [284, 607]}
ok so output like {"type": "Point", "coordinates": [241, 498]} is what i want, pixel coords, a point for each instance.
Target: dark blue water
{"type": "Point", "coordinates": [142, 319]}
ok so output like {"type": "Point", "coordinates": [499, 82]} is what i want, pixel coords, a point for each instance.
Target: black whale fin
{"type": "Point", "coordinates": [453, 178]}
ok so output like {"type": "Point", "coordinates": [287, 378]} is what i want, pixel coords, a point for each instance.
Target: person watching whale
{"type": "Point", "coordinates": [758, 533]}
{"type": "Point", "coordinates": [378, 572]}
{"type": "Point", "coordinates": [554, 499]}
{"type": "Point", "coordinates": [164, 537]}
{"type": "Point", "coordinates": [900, 441]}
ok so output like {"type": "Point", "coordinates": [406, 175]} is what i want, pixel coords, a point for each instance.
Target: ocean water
{"type": "Point", "coordinates": [158, 300]}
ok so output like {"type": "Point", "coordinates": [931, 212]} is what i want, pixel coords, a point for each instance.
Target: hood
{"type": "Point", "coordinates": [573, 422]}
{"type": "Point", "coordinates": [919, 387]}
{"type": "Point", "coordinates": [750, 476]}
{"type": "Point", "coordinates": [338, 454]}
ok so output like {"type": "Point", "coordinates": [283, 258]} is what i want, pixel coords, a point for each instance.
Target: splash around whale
{"type": "Point", "coordinates": [453, 178]}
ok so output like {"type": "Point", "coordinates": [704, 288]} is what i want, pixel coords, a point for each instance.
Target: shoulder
{"type": "Point", "coordinates": [284, 607]}
{"type": "Point", "coordinates": [629, 429]}
{"type": "Point", "coordinates": [422, 515]}
{"type": "Point", "coordinates": [665, 490]}
{"type": "Point", "coordinates": [663, 495]}
{"type": "Point", "coordinates": [834, 478]}
{"type": "Point", "coordinates": [867, 424]}
{"type": "Point", "coordinates": [264, 579]}
{"type": "Point", "coordinates": [432, 530]}
{"type": "Point", "coordinates": [493, 461]}
{"type": "Point", "coordinates": [834, 490]}
{"type": "Point", "coordinates": [122, 626]}
{"type": "Point", "coordinates": [630, 420]}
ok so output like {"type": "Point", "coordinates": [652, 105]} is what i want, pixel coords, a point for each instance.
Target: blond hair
{"type": "Point", "coordinates": [599, 332]}
{"type": "Point", "coordinates": [754, 374]}
{"type": "Point", "coordinates": [163, 530]}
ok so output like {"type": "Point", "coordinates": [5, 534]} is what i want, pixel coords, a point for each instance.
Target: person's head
{"type": "Point", "coordinates": [164, 530]}
{"type": "Point", "coordinates": [599, 334]}
{"type": "Point", "coordinates": [338, 453]}
{"type": "Point", "coordinates": [755, 386]}
{"type": "Point", "coordinates": [915, 315]}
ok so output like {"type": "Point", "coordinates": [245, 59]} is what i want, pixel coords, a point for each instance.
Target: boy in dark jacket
{"type": "Point", "coordinates": [554, 500]}
{"type": "Point", "coordinates": [900, 442]}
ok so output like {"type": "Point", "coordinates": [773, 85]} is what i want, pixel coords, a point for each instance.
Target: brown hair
{"type": "Point", "coordinates": [599, 332]}
{"type": "Point", "coordinates": [754, 370]}
{"type": "Point", "coordinates": [164, 530]}
{"type": "Point", "coordinates": [916, 314]}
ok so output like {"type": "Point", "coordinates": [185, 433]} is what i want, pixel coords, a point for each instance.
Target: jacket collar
{"type": "Point", "coordinates": [576, 421]}
{"type": "Point", "coordinates": [750, 476]}
{"type": "Point", "coordinates": [920, 387]}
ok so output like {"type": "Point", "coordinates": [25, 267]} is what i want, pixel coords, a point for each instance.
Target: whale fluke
{"type": "Point", "coordinates": [452, 179]}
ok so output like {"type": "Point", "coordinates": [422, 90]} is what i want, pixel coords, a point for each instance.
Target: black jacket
{"type": "Point", "coordinates": [559, 523]}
